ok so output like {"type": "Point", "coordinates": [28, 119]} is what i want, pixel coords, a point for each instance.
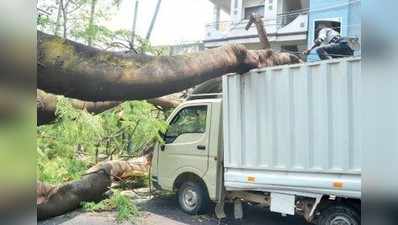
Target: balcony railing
{"type": "Point", "coordinates": [222, 26]}
{"type": "Point", "coordinates": [286, 18]}
{"type": "Point", "coordinates": [285, 22]}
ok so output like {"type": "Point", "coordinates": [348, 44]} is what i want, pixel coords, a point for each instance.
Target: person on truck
{"type": "Point", "coordinates": [330, 44]}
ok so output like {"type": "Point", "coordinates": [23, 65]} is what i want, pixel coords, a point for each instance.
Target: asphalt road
{"type": "Point", "coordinates": [164, 210]}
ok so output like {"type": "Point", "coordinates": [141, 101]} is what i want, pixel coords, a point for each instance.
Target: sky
{"type": "Point", "coordinates": [178, 21]}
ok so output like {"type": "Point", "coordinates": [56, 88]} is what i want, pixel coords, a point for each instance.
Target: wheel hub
{"type": "Point", "coordinates": [339, 220]}
{"type": "Point", "coordinates": [190, 198]}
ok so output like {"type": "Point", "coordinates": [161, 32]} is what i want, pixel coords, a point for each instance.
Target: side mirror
{"type": "Point", "coordinates": [161, 134]}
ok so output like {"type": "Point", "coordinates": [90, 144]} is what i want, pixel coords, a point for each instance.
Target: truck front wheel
{"type": "Point", "coordinates": [339, 215]}
{"type": "Point", "coordinates": [193, 198]}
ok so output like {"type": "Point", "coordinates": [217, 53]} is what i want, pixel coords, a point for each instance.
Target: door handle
{"type": "Point", "coordinates": [162, 147]}
{"type": "Point", "coordinates": [201, 147]}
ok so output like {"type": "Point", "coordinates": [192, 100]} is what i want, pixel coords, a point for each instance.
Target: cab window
{"type": "Point", "coordinates": [188, 120]}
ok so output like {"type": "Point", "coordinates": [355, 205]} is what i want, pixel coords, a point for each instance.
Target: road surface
{"type": "Point", "coordinates": [163, 210]}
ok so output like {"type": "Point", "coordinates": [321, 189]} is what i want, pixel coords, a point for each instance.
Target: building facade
{"type": "Point", "coordinates": [286, 23]}
{"type": "Point", "coordinates": [290, 24]}
{"type": "Point", "coordinates": [183, 48]}
{"type": "Point", "coordinates": [343, 15]}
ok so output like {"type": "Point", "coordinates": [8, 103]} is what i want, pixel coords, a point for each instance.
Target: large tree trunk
{"type": "Point", "coordinates": [54, 201]}
{"type": "Point", "coordinates": [267, 58]}
{"type": "Point", "coordinates": [78, 71]}
{"type": "Point", "coordinates": [59, 200]}
{"type": "Point", "coordinates": [47, 105]}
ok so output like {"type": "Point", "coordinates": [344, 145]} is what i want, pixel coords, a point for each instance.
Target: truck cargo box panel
{"type": "Point", "coordinates": [294, 127]}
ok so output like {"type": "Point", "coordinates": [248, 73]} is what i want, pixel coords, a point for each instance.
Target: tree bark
{"type": "Point", "coordinates": [65, 17]}
{"type": "Point", "coordinates": [54, 201]}
{"type": "Point", "coordinates": [59, 200]}
{"type": "Point", "coordinates": [58, 21]}
{"type": "Point", "coordinates": [155, 14]}
{"type": "Point", "coordinates": [78, 71]}
{"type": "Point", "coordinates": [136, 4]}
{"type": "Point", "coordinates": [164, 102]}
{"type": "Point", "coordinates": [262, 34]}
{"type": "Point", "coordinates": [47, 105]}
{"type": "Point", "coordinates": [266, 58]}
{"type": "Point", "coordinates": [91, 22]}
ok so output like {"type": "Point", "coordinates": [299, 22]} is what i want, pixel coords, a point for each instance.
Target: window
{"type": "Point", "coordinates": [188, 120]}
{"type": "Point", "coordinates": [335, 25]}
{"type": "Point", "coordinates": [289, 10]}
{"type": "Point", "coordinates": [258, 10]}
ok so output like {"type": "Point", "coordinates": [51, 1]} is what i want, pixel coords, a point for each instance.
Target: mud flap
{"type": "Point", "coordinates": [282, 203]}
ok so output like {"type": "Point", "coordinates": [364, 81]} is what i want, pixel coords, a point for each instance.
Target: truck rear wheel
{"type": "Point", "coordinates": [339, 215]}
{"type": "Point", "coordinates": [193, 198]}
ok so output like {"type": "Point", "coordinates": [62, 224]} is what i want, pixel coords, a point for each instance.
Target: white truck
{"type": "Point", "coordinates": [286, 137]}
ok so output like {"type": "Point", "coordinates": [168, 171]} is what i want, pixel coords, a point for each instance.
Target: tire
{"type": "Point", "coordinates": [193, 198]}
{"type": "Point", "coordinates": [339, 215]}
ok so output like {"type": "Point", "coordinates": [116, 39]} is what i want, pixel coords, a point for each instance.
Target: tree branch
{"type": "Point", "coordinates": [47, 105]}
{"type": "Point", "coordinates": [78, 71]}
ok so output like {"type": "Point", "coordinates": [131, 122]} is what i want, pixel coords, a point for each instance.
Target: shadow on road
{"type": "Point", "coordinates": [165, 210]}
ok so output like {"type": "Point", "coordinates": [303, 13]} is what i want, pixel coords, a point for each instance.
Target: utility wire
{"type": "Point", "coordinates": [300, 12]}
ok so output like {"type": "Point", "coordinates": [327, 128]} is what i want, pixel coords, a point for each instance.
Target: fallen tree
{"type": "Point", "coordinates": [267, 58]}
{"type": "Point", "coordinates": [57, 200]}
{"type": "Point", "coordinates": [77, 71]}
{"type": "Point", "coordinates": [47, 105]}
{"type": "Point", "coordinates": [82, 72]}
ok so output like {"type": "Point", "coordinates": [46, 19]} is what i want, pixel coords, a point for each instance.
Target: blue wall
{"type": "Point", "coordinates": [348, 11]}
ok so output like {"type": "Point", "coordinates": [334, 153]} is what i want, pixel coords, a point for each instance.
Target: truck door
{"type": "Point", "coordinates": [186, 144]}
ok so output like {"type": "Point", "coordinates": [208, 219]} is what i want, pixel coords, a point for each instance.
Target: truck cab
{"type": "Point", "coordinates": [188, 159]}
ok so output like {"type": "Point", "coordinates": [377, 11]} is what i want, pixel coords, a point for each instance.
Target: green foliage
{"type": "Point", "coordinates": [71, 145]}
{"type": "Point", "coordinates": [78, 126]}
{"type": "Point", "coordinates": [67, 148]}
{"type": "Point", "coordinates": [73, 127]}
{"type": "Point", "coordinates": [126, 210]}
{"type": "Point", "coordinates": [88, 29]}
{"type": "Point", "coordinates": [142, 120]}
{"type": "Point", "coordinates": [121, 39]}
{"type": "Point", "coordinates": [79, 27]}
{"type": "Point", "coordinates": [43, 21]}
{"type": "Point", "coordinates": [97, 33]}
{"type": "Point", "coordinates": [59, 170]}
{"type": "Point", "coordinates": [96, 207]}
{"type": "Point", "coordinates": [144, 46]}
